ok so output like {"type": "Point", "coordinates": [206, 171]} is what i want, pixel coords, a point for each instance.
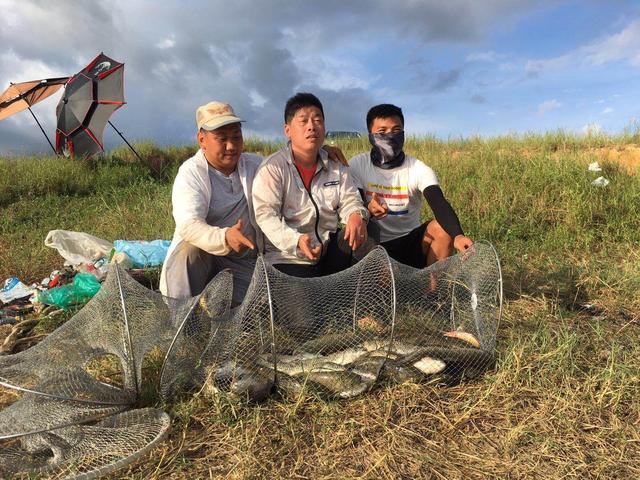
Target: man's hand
{"type": "Point", "coordinates": [376, 208]}
{"type": "Point", "coordinates": [236, 239]}
{"type": "Point", "coordinates": [305, 244]}
{"type": "Point", "coordinates": [355, 232]}
{"type": "Point", "coordinates": [336, 155]}
{"type": "Point", "coordinates": [462, 243]}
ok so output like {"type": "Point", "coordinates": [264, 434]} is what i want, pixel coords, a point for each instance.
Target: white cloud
{"type": "Point", "coordinates": [257, 100]}
{"type": "Point", "coordinates": [607, 111]}
{"type": "Point", "coordinates": [621, 46]}
{"type": "Point", "coordinates": [548, 105]}
{"type": "Point", "coordinates": [168, 42]}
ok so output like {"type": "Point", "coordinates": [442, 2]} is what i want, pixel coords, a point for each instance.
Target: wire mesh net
{"type": "Point", "coordinates": [88, 370]}
{"type": "Point", "coordinates": [123, 322]}
{"type": "Point", "coordinates": [87, 451]}
{"type": "Point", "coordinates": [340, 335]}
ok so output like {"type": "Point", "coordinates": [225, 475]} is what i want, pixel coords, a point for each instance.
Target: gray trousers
{"type": "Point", "coordinates": [202, 267]}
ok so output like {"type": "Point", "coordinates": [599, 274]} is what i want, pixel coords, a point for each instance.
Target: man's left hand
{"type": "Point", "coordinates": [355, 232]}
{"type": "Point", "coordinates": [462, 243]}
{"type": "Point", "coordinates": [336, 154]}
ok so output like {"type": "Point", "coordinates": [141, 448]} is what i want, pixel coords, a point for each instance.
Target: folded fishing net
{"type": "Point", "coordinates": [76, 395]}
{"type": "Point", "coordinates": [74, 392]}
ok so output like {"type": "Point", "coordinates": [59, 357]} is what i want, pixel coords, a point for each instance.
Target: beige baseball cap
{"type": "Point", "coordinates": [215, 115]}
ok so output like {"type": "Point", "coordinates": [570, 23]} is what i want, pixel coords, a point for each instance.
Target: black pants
{"type": "Point", "coordinates": [337, 257]}
{"type": "Point", "coordinates": [406, 249]}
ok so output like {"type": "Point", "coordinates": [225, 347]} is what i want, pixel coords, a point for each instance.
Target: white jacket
{"type": "Point", "coordinates": [284, 209]}
{"type": "Point", "coordinates": [191, 197]}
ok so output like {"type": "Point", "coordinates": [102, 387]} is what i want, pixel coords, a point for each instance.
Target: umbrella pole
{"type": "Point", "coordinates": [43, 132]}
{"type": "Point", "coordinates": [125, 140]}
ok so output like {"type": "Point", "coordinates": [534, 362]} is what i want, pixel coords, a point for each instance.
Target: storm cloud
{"type": "Point", "coordinates": [254, 55]}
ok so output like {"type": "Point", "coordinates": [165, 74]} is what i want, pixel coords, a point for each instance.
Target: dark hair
{"type": "Point", "coordinates": [384, 110]}
{"type": "Point", "coordinates": [298, 101]}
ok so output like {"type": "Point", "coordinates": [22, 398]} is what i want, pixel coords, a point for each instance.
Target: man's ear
{"type": "Point", "coordinates": [200, 138]}
{"type": "Point", "coordinates": [287, 131]}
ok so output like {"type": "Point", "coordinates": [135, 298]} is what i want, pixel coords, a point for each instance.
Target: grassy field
{"type": "Point", "coordinates": [565, 398]}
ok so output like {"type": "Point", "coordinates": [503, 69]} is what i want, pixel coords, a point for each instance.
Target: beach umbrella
{"type": "Point", "coordinates": [22, 96]}
{"type": "Point", "coordinates": [90, 98]}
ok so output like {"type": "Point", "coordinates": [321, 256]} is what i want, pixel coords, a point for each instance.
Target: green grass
{"type": "Point", "coordinates": [563, 401]}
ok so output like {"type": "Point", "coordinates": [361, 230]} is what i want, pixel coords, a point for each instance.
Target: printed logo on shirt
{"type": "Point", "coordinates": [331, 184]}
{"type": "Point", "coordinates": [397, 202]}
{"type": "Point", "coordinates": [387, 187]}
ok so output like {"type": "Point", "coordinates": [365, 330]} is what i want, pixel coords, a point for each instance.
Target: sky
{"type": "Point", "coordinates": [456, 67]}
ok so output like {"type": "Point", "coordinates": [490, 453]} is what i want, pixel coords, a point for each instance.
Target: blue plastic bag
{"type": "Point", "coordinates": [142, 253]}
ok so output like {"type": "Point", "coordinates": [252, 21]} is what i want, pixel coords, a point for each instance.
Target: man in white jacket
{"type": "Point", "coordinates": [211, 198]}
{"type": "Point", "coordinates": [299, 197]}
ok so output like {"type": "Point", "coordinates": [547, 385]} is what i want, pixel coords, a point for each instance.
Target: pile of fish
{"type": "Point", "coordinates": [325, 366]}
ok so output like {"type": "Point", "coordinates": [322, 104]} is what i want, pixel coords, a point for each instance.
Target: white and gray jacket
{"type": "Point", "coordinates": [285, 210]}
{"type": "Point", "coordinates": [191, 198]}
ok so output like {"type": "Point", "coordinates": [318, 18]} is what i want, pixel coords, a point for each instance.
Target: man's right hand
{"type": "Point", "coordinates": [236, 239]}
{"type": "Point", "coordinates": [305, 245]}
{"type": "Point", "coordinates": [377, 208]}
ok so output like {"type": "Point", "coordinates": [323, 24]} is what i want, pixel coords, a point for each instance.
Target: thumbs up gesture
{"type": "Point", "coordinates": [236, 239]}
{"type": "Point", "coordinates": [377, 206]}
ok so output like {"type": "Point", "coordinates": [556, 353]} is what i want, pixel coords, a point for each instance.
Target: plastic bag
{"type": "Point", "coordinates": [142, 253]}
{"type": "Point", "coordinates": [77, 247]}
{"type": "Point", "coordinates": [83, 288]}
{"type": "Point", "coordinates": [13, 290]}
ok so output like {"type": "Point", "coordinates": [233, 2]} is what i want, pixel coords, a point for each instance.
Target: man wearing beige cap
{"type": "Point", "coordinates": [211, 198]}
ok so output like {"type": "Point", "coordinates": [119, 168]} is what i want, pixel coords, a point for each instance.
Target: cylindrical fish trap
{"type": "Point", "coordinates": [447, 317]}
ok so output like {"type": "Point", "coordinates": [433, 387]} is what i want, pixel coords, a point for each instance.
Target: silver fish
{"type": "Point", "coordinates": [368, 368]}
{"type": "Point", "coordinates": [397, 347]}
{"type": "Point", "coordinates": [294, 386]}
{"type": "Point", "coordinates": [430, 366]}
{"type": "Point", "coordinates": [341, 384]}
{"type": "Point", "coordinates": [401, 374]}
{"type": "Point", "coordinates": [347, 356]}
{"type": "Point", "coordinates": [252, 387]}
{"type": "Point", "coordinates": [252, 383]}
{"type": "Point", "coordinates": [332, 343]}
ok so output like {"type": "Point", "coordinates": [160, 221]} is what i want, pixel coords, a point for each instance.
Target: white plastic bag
{"type": "Point", "coordinates": [77, 247]}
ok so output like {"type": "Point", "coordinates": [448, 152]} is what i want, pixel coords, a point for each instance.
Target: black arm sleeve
{"type": "Point", "coordinates": [442, 211]}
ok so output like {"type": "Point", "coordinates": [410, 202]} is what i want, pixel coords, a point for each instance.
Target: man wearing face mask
{"type": "Point", "coordinates": [392, 185]}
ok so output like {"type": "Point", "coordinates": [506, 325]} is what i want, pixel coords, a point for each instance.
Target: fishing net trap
{"type": "Point", "coordinates": [76, 407]}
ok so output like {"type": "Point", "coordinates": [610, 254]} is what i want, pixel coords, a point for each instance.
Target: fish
{"type": "Point", "coordinates": [397, 347]}
{"type": "Point", "coordinates": [332, 343]}
{"type": "Point", "coordinates": [242, 382]}
{"type": "Point", "coordinates": [253, 387]}
{"type": "Point", "coordinates": [341, 384]}
{"type": "Point", "coordinates": [300, 363]}
{"type": "Point", "coordinates": [401, 374]}
{"type": "Point", "coordinates": [368, 367]}
{"type": "Point", "coordinates": [430, 366]}
{"type": "Point", "coordinates": [347, 356]}
{"type": "Point", "coordinates": [296, 386]}
{"type": "Point", "coordinates": [458, 361]}
{"type": "Point", "coordinates": [464, 336]}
